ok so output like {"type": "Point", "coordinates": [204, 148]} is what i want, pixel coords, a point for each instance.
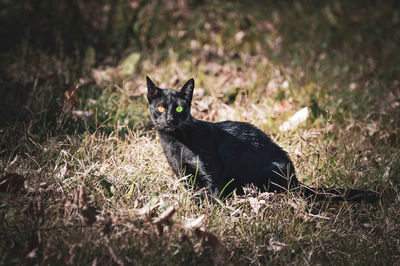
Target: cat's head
{"type": "Point", "coordinates": [169, 108]}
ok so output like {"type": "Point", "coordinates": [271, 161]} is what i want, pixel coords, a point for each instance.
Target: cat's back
{"type": "Point", "coordinates": [243, 130]}
{"type": "Point", "coordinates": [240, 136]}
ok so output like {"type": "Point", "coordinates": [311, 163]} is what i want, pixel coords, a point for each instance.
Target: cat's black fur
{"type": "Point", "coordinates": [227, 155]}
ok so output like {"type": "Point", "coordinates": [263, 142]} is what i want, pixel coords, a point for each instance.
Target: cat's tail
{"type": "Point", "coordinates": [340, 194]}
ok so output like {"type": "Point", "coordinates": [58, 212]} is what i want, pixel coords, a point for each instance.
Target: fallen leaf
{"type": "Point", "coordinates": [165, 216]}
{"type": "Point", "coordinates": [70, 97]}
{"type": "Point", "coordinates": [239, 36]}
{"type": "Point", "coordinates": [191, 224]}
{"type": "Point", "coordinates": [194, 45]}
{"type": "Point", "coordinates": [94, 262]}
{"type": "Point", "coordinates": [255, 204]}
{"type": "Point", "coordinates": [295, 120]}
{"type": "Point", "coordinates": [32, 254]}
{"type": "Point", "coordinates": [13, 165]}
{"type": "Point", "coordinates": [63, 171]}
{"type": "Point", "coordinates": [386, 173]}
{"type": "Point", "coordinates": [275, 246]}
{"type": "Point", "coordinates": [83, 115]}
{"type": "Point", "coordinates": [147, 209]}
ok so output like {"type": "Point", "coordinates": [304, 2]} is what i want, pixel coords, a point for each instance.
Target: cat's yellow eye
{"type": "Point", "coordinates": [161, 109]}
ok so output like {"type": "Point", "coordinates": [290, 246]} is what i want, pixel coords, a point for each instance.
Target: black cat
{"type": "Point", "coordinates": [227, 155]}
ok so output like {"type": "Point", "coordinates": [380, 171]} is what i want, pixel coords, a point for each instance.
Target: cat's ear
{"type": "Point", "coordinates": [152, 90]}
{"type": "Point", "coordinates": [187, 89]}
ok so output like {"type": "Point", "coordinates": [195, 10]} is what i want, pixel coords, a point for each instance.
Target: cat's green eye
{"type": "Point", "coordinates": [179, 109]}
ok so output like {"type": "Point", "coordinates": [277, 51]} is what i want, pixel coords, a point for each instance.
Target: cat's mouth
{"type": "Point", "coordinates": [169, 127]}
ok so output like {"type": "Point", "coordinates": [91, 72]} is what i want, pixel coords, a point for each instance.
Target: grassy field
{"type": "Point", "coordinates": [83, 177]}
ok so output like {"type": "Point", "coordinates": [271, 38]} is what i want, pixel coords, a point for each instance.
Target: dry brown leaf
{"type": "Point", "coordinates": [63, 171]}
{"type": "Point", "coordinates": [70, 97]}
{"type": "Point", "coordinates": [83, 115]}
{"type": "Point", "coordinates": [198, 93]}
{"type": "Point", "coordinates": [272, 197]}
{"type": "Point", "coordinates": [13, 165]}
{"type": "Point", "coordinates": [255, 204]}
{"type": "Point", "coordinates": [12, 183]}
{"type": "Point", "coordinates": [295, 120]}
{"type": "Point", "coordinates": [163, 219]}
{"type": "Point", "coordinates": [239, 36]}
{"type": "Point", "coordinates": [276, 246]}
{"type": "Point", "coordinates": [147, 209]}
{"type": "Point", "coordinates": [165, 216]}
{"type": "Point", "coordinates": [191, 224]}
{"type": "Point", "coordinates": [94, 262]}
{"type": "Point", "coordinates": [265, 195]}
{"type": "Point", "coordinates": [32, 254]}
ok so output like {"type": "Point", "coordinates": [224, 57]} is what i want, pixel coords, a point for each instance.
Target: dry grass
{"type": "Point", "coordinates": [98, 190]}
